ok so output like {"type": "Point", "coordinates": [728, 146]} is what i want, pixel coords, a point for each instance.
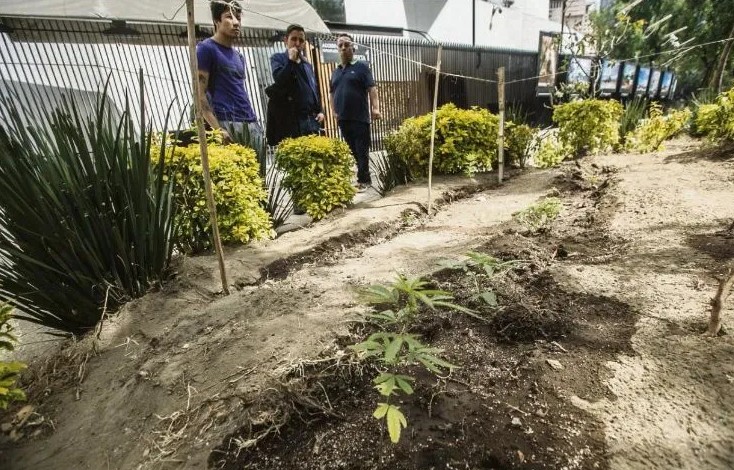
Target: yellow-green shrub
{"type": "Point", "coordinates": [519, 142]}
{"type": "Point", "coordinates": [717, 120]}
{"type": "Point", "coordinates": [318, 172]}
{"type": "Point", "coordinates": [651, 133]}
{"type": "Point", "coordinates": [239, 195]}
{"type": "Point", "coordinates": [588, 126]}
{"type": "Point", "coordinates": [9, 371]}
{"type": "Point", "coordinates": [551, 152]}
{"type": "Point", "coordinates": [706, 119]}
{"type": "Point", "coordinates": [465, 142]}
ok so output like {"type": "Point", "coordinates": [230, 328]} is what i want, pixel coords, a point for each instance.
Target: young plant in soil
{"type": "Point", "coordinates": [538, 216]}
{"type": "Point", "coordinates": [396, 307]}
{"type": "Point", "coordinates": [478, 265]}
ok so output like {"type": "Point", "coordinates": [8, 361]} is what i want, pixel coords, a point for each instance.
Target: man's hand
{"type": "Point", "coordinates": [376, 114]}
{"type": "Point", "coordinates": [294, 54]}
{"type": "Point", "coordinates": [320, 118]}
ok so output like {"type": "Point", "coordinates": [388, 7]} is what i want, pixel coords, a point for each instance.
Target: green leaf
{"type": "Point", "coordinates": [395, 423]}
{"type": "Point", "coordinates": [489, 297]}
{"type": "Point", "coordinates": [393, 349]}
{"type": "Point", "coordinates": [404, 384]}
{"type": "Point", "coordinates": [381, 410]}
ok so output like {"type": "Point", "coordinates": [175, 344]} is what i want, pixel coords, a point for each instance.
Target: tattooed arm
{"type": "Point", "coordinates": [206, 109]}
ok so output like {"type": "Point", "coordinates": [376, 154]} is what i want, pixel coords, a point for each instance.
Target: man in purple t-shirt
{"type": "Point", "coordinates": [224, 101]}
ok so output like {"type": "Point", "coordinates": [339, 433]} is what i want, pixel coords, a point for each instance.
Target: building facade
{"type": "Point", "coordinates": [510, 24]}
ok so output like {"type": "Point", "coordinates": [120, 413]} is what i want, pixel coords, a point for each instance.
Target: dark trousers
{"type": "Point", "coordinates": [357, 135]}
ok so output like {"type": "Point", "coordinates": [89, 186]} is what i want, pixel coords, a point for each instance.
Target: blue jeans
{"type": "Point", "coordinates": [357, 135]}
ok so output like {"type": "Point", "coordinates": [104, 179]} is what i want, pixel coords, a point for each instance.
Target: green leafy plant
{"type": "Point", "coordinates": [634, 112]}
{"type": "Point", "coordinates": [398, 350]}
{"type": "Point", "coordinates": [465, 142]}
{"type": "Point", "coordinates": [9, 371]}
{"type": "Point", "coordinates": [405, 295]}
{"type": "Point", "coordinates": [588, 126]}
{"type": "Point", "coordinates": [390, 171]}
{"type": "Point", "coordinates": [551, 152]}
{"type": "Point", "coordinates": [397, 305]}
{"type": "Point", "coordinates": [705, 120]}
{"type": "Point", "coordinates": [279, 203]}
{"type": "Point", "coordinates": [539, 215]}
{"type": "Point", "coordinates": [318, 173]}
{"type": "Point", "coordinates": [478, 265]}
{"type": "Point", "coordinates": [239, 194]}
{"type": "Point", "coordinates": [87, 221]}
{"type": "Point", "coordinates": [520, 143]}
{"type": "Point", "coordinates": [717, 120]}
{"type": "Point", "coordinates": [651, 133]}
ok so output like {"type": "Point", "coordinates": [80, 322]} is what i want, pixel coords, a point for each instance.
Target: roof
{"type": "Point", "coordinates": [260, 14]}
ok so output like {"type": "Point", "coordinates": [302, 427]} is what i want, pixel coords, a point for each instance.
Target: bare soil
{"type": "Point", "coordinates": [615, 291]}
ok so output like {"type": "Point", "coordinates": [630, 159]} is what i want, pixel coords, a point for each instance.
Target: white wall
{"type": "Point", "coordinates": [387, 13]}
{"type": "Point", "coordinates": [517, 27]}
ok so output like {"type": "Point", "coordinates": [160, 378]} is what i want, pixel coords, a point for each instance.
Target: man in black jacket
{"type": "Point", "coordinates": [294, 107]}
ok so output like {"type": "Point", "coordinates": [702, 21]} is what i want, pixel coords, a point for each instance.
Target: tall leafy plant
{"type": "Point", "coordinates": [87, 222]}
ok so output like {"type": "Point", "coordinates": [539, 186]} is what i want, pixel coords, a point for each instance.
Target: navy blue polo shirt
{"type": "Point", "coordinates": [349, 85]}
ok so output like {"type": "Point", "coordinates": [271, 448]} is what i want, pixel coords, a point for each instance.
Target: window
{"type": "Point", "coordinates": [330, 10]}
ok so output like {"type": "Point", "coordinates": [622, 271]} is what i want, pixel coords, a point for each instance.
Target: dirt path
{"type": "Point", "coordinates": [674, 405]}
{"type": "Point", "coordinates": [179, 371]}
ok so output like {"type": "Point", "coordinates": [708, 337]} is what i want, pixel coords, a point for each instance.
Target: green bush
{"type": "Point", "coordinates": [705, 120]}
{"type": "Point", "coordinates": [9, 371]}
{"type": "Point", "coordinates": [465, 142]}
{"type": "Point", "coordinates": [651, 133]}
{"type": "Point", "coordinates": [717, 120]}
{"type": "Point", "coordinates": [551, 152]}
{"type": "Point", "coordinates": [318, 172]}
{"type": "Point", "coordinates": [519, 142]}
{"type": "Point", "coordinates": [239, 195]}
{"type": "Point", "coordinates": [588, 126]}
{"type": "Point", "coordinates": [86, 221]}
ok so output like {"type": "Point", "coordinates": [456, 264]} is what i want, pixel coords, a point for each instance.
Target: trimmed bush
{"type": "Point", "coordinates": [239, 195]}
{"type": "Point", "coordinates": [466, 141]}
{"type": "Point", "coordinates": [651, 133]}
{"type": "Point", "coordinates": [86, 221]}
{"type": "Point", "coordinates": [588, 126]}
{"type": "Point", "coordinates": [519, 142]}
{"type": "Point", "coordinates": [9, 371]}
{"type": "Point", "coordinates": [318, 172]}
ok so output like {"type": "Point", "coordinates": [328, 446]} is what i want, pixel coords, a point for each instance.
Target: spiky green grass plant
{"type": "Point", "coordinates": [87, 222]}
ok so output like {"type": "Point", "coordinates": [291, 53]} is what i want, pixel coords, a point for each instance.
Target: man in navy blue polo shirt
{"type": "Point", "coordinates": [294, 107]}
{"type": "Point", "coordinates": [224, 102]}
{"type": "Point", "coordinates": [351, 85]}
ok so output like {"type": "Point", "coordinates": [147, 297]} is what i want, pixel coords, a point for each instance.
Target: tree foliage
{"type": "Point", "coordinates": [664, 33]}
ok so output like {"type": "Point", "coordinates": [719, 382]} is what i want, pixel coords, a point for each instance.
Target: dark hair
{"type": "Point", "coordinates": [294, 27]}
{"type": "Point", "coordinates": [220, 7]}
{"type": "Point", "coordinates": [345, 35]}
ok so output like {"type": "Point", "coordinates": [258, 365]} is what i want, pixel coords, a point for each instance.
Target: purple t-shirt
{"type": "Point", "coordinates": [226, 90]}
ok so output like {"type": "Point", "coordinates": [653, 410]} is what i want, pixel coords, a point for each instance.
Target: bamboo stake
{"type": "Point", "coordinates": [433, 126]}
{"type": "Point", "coordinates": [202, 143]}
{"type": "Point", "coordinates": [501, 136]}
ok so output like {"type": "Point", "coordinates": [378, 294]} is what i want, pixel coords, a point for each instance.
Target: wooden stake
{"type": "Point", "coordinates": [433, 126]}
{"type": "Point", "coordinates": [501, 136]}
{"type": "Point", "coordinates": [202, 143]}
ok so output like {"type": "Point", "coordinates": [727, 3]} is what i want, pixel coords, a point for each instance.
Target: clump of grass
{"type": "Point", "coordinates": [538, 216]}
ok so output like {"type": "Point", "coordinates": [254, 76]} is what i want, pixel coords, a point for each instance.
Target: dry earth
{"type": "Point", "coordinates": [182, 377]}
